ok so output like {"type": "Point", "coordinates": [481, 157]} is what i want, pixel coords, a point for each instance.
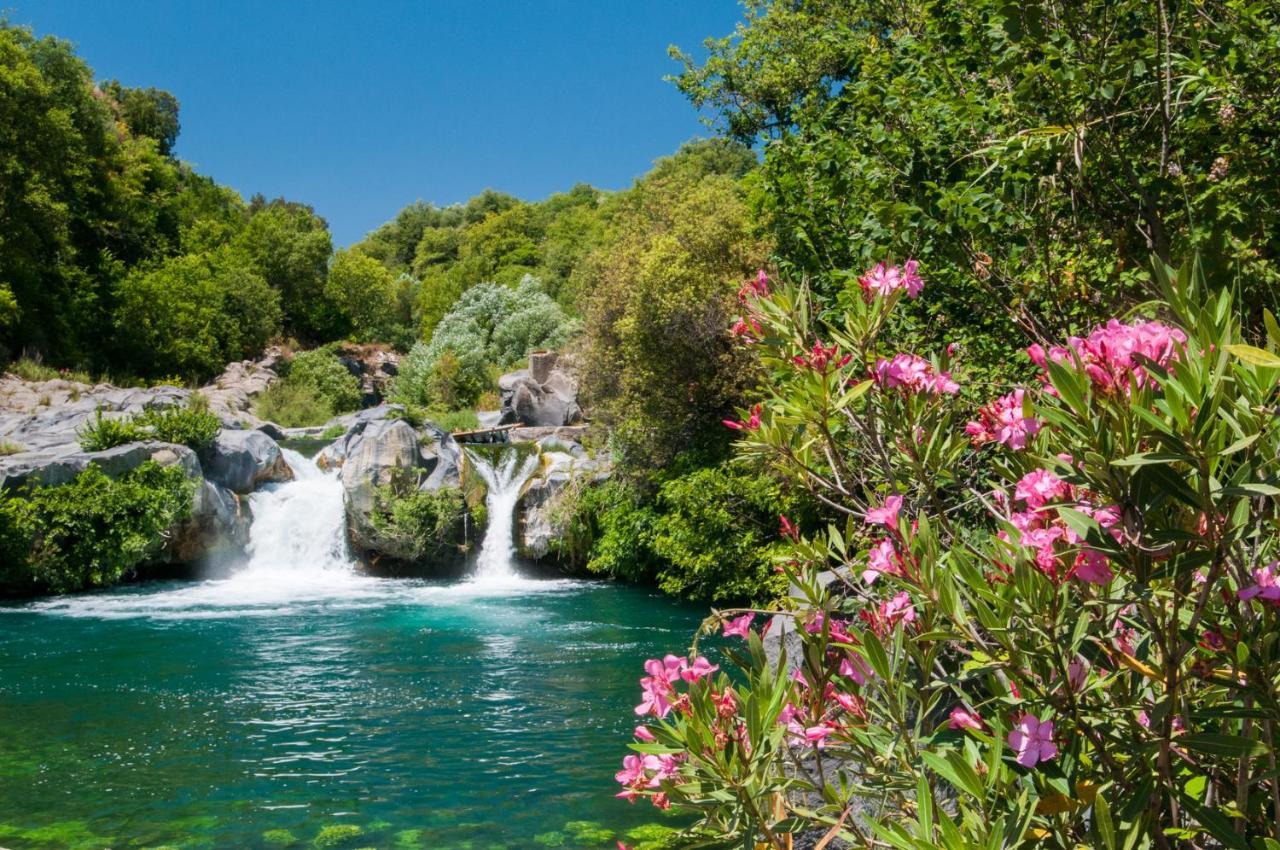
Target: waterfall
{"type": "Point", "coordinates": [299, 527]}
{"type": "Point", "coordinates": [505, 474]}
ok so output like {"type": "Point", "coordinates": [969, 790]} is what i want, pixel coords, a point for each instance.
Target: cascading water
{"type": "Point", "coordinates": [299, 528]}
{"type": "Point", "coordinates": [504, 474]}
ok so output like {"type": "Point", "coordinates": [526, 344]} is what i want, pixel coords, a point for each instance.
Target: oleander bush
{"type": "Point", "coordinates": [1050, 620]}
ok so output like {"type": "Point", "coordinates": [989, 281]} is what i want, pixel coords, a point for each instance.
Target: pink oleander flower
{"type": "Point", "coordinates": [787, 529]}
{"type": "Point", "coordinates": [1112, 354]}
{"type": "Point", "coordinates": [887, 514]}
{"type": "Point", "coordinates": [837, 629]}
{"type": "Point", "coordinates": [883, 558]}
{"type": "Point", "coordinates": [1040, 487]}
{"type": "Point", "coordinates": [754, 289]}
{"type": "Point", "coordinates": [642, 733]}
{"type": "Point", "coordinates": [820, 357]}
{"type": "Point", "coordinates": [661, 801]}
{"type": "Point", "coordinates": [752, 423]}
{"type": "Point", "coordinates": [1093, 567]}
{"type": "Point", "coordinates": [747, 329]}
{"type": "Point", "coordinates": [853, 667]}
{"type": "Point", "coordinates": [1004, 421]}
{"type": "Point", "coordinates": [897, 610]}
{"type": "Point", "coordinates": [700, 668]}
{"type": "Point", "coordinates": [739, 626]}
{"type": "Point", "coordinates": [962, 718]}
{"type": "Point", "coordinates": [1077, 673]}
{"type": "Point", "coordinates": [1266, 585]}
{"type": "Point", "coordinates": [1032, 740]}
{"type": "Point", "coordinates": [913, 374]}
{"type": "Point", "coordinates": [885, 280]}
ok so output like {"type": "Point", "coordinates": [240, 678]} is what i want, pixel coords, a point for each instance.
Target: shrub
{"type": "Point", "coordinates": [90, 532]}
{"type": "Point", "coordinates": [1090, 660]}
{"type": "Point", "coordinates": [315, 388]}
{"type": "Point", "coordinates": [489, 324]}
{"type": "Point", "coordinates": [192, 426]}
{"type": "Point", "coordinates": [321, 370]}
{"type": "Point", "coordinates": [104, 433]}
{"type": "Point", "coordinates": [293, 406]}
{"type": "Point", "coordinates": [423, 522]}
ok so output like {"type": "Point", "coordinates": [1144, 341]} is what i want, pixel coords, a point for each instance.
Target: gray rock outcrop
{"type": "Point", "coordinates": [565, 468]}
{"type": "Point", "coordinates": [378, 451]}
{"type": "Point", "coordinates": [542, 395]}
{"type": "Point", "coordinates": [241, 461]}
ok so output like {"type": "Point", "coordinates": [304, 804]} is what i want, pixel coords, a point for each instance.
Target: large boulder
{"type": "Point", "coordinates": [565, 468]}
{"type": "Point", "coordinates": [55, 466]}
{"type": "Point", "coordinates": [376, 452]}
{"type": "Point", "coordinates": [543, 395]}
{"type": "Point", "coordinates": [241, 461]}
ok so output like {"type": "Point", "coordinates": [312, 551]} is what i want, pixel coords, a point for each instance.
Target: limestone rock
{"type": "Point", "coordinates": [565, 468]}
{"type": "Point", "coordinates": [526, 401]}
{"type": "Point", "coordinates": [376, 451]}
{"type": "Point", "coordinates": [242, 460]}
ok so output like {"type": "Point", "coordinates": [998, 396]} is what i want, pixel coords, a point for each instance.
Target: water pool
{"type": "Point", "coordinates": [354, 712]}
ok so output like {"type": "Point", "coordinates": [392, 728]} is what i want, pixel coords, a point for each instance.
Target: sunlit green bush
{"type": "Point", "coordinates": [90, 532]}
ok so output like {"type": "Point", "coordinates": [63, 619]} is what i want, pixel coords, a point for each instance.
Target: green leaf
{"type": "Point", "coordinates": [1254, 356]}
{"type": "Point", "coordinates": [1102, 816]}
{"type": "Point", "coordinates": [957, 771]}
{"type": "Point", "coordinates": [1230, 746]}
{"type": "Point", "coordinates": [1148, 458]}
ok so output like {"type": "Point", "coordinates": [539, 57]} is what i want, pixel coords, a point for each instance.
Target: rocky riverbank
{"type": "Point", "coordinates": [412, 503]}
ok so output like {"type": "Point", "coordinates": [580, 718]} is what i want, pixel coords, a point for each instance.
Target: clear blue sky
{"type": "Point", "coordinates": [361, 107]}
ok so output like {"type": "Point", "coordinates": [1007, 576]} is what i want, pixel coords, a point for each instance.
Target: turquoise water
{"type": "Point", "coordinates": [217, 714]}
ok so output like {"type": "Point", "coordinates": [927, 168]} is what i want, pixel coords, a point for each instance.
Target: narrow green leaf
{"type": "Point", "coordinates": [1230, 746]}
{"type": "Point", "coordinates": [1255, 356]}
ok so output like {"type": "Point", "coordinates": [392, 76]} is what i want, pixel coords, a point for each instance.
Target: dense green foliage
{"type": "Point", "coordinates": [1031, 155]}
{"type": "Point", "coordinates": [426, 523]}
{"type": "Point", "coordinates": [90, 532]}
{"type": "Point", "coordinates": [192, 426]}
{"type": "Point", "coordinates": [659, 368]}
{"type": "Point", "coordinates": [314, 388]}
{"type": "Point", "coordinates": [490, 324]}
{"type": "Point", "coordinates": [116, 256]}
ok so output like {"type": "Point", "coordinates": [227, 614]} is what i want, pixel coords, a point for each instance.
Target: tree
{"type": "Point", "coordinates": [1032, 155]}
{"type": "Point", "coordinates": [363, 293]}
{"type": "Point", "coordinates": [149, 112]}
{"type": "Point", "coordinates": [659, 367]}
{"type": "Point", "coordinates": [191, 314]}
{"type": "Point", "coordinates": [289, 245]}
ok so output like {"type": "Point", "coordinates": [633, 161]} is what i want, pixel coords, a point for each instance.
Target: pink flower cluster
{"type": "Point", "coordinates": [751, 423]}
{"type": "Point", "coordinates": [884, 556]}
{"type": "Point", "coordinates": [1112, 355]}
{"type": "Point", "coordinates": [885, 280]}
{"type": "Point", "coordinates": [748, 328]}
{"type": "Point", "coordinates": [659, 686]}
{"type": "Point", "coordinates": [821, 357]}
{"type": "Point", "coordinates": [646, 773]}
{"type": "Point", "coordinates": [1042, 529]}
{"type": "Point", "coordinates": [1004, 421]}
{"type": "Point", "coordinates": [914, 374]}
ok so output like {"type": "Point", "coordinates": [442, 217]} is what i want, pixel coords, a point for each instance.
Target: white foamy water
{"type": "Point", "coordinates": [504, 475]}
{"type": "Point", "coordinates": [298, 560]}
